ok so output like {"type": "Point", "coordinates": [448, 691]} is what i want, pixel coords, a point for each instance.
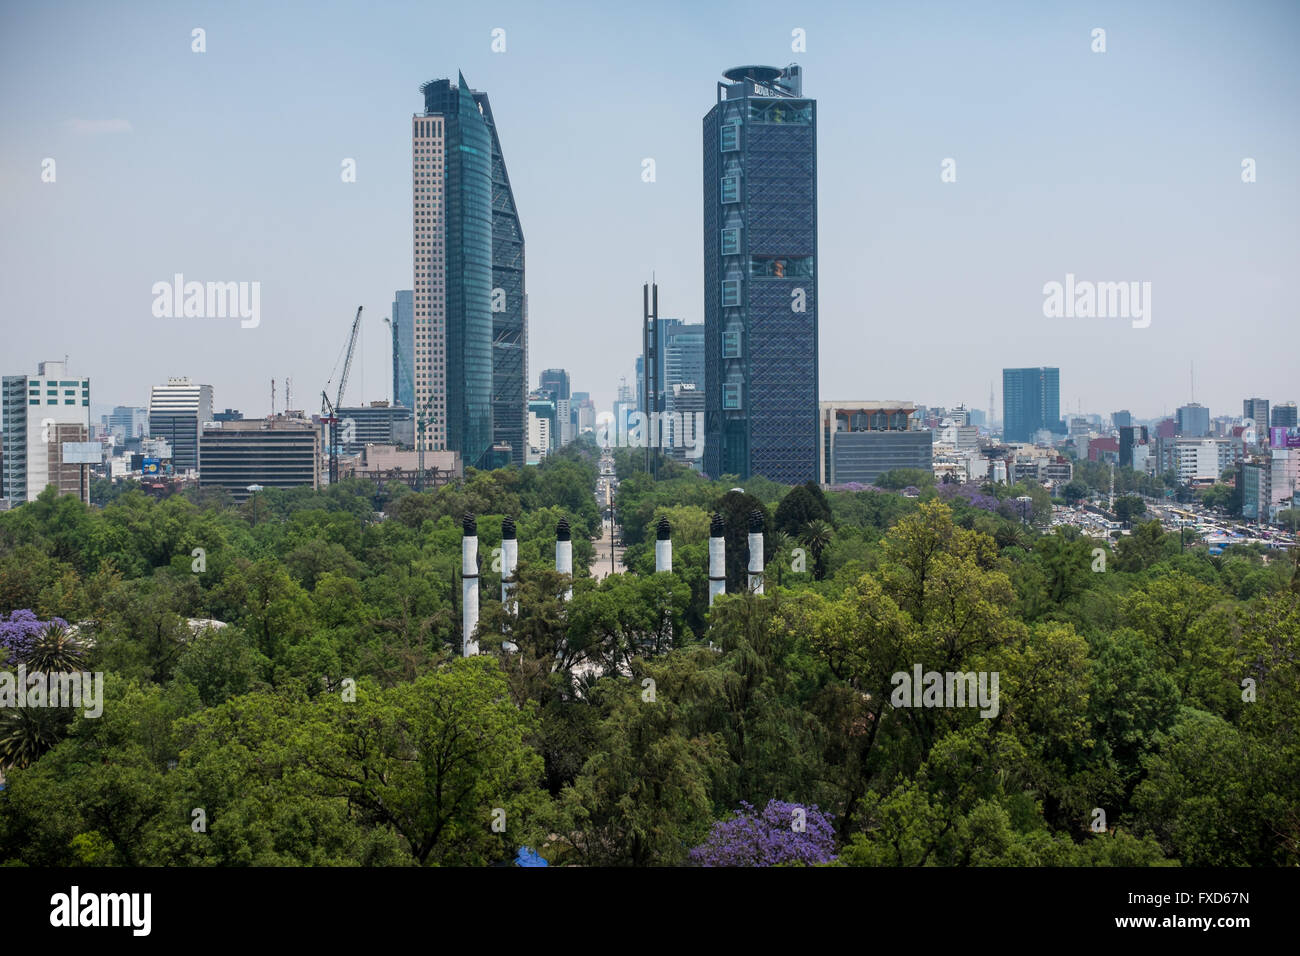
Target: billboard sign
{"type": "Point", "coordinates": [149, 466]}
{"type": "Point", "coordinates": [82, 453]}
{"type": "Point", "coordinates": [1284, 437]}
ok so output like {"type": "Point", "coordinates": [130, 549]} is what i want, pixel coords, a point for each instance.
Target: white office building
{"type": "Point", "coordinates": [177, 413]}
{"type": "Point", "coordinates": [43, 414]}
{"type": "Point", "coordinates": [1201, 459]}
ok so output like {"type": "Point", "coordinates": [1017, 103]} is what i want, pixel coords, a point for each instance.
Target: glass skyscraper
{"type": "Point", "coordinates": [453, 216]}
{"type": "Point", "coordinates": [760, 277]}
{"type": "Point", "coordinates": [1031, 400]}
{"type": "Point", "coordinates": [509, 307]}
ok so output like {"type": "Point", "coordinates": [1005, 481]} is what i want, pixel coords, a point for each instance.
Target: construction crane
{"type": "Point", "coordinates": [329, 412]}
{"type": "Point", "coordinates": [330, 420]}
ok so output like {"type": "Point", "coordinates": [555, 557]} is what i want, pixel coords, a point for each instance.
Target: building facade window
{"type": "Point", "coordinates": [731, 395]}
{"type": "Point", "coordinates": [731, 242]}
{"type": "Point", "coordinates": [730, 137]}
{"type": "Point", "coordinates": [730, 293]}
{"type": "Point", "coordinates": [730, 189]}
{"type": "Point", "coordinates": [731, 345]}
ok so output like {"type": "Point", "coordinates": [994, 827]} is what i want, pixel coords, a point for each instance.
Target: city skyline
{"type": "Point", "coordinates": [217, 165]}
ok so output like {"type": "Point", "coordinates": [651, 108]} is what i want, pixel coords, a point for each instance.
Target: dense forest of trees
{"type": "Point", "coordinates": [1149, 696]}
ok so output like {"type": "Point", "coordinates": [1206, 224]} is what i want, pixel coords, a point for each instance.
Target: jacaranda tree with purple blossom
{"type": "Point", "coordinates": [19, 634]}
{"type": "Point", "coordinates": [782, 833]}
{"type": "Point", "coordinates": [970, 493]}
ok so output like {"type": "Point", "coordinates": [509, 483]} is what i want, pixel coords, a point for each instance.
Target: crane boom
{"type": "Point", "coordinates": [347, 361]}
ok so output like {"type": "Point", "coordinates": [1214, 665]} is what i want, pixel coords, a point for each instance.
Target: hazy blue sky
{"type": "Point", "coordinates": [225, 165]}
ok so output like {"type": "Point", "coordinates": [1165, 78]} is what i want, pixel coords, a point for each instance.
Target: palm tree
{"type": "Point", "coordinates": [28, 732]}
{"type": "Point", "coordinates": [817, 535]}
{"type": "Point", "coordinates": [781, 545]}
{"type": "Point", "coordinates": [56, 650]}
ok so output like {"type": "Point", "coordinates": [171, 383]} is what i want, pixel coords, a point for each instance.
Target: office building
{"type": "Point", "coordinates": [586, 416]}
{"type": "Point", "coordinates": [683, 358]}
{"type": "Point", "coordinates": [126, 423]}
{"type": "Point", "coordinates": [542, 407]}
{"type": "Point", "coordinates": [177, 412]}
{"type": "Point", "coordinates": [388, 462]}
{"type": "Point", "coordinates": [760, 277]}
{"type": "Point", "coordinates": [1256, 409]}
{"type": "Point", "coordinates": [276, 452]}
{"type": "Point", "coordinates": [1044, 469]}
{"type": "Point", "coordinates": [1121, 419]}
{"type": "Point", "coordinates": [1284, 479]}
{"type": "Point", "coordinates": [229, 415]}
{"type": "Point", "coordinates": [554, 381]}
{"type": "Point", "coordinates": [678, 349]}
{"type": "Point", "coordinates": [539, 435]}
{"type": "Point", "coordinates": [509, 306]}
{"type": "Point", "coordinates": [685, 424]}
{"type": "Point", "coordinates": [452, 213]}
{"type": "Point", "coordinates": [1283, 415]}
{"type": "Point", "coordinates": [402, 323]}
{"type": "Point", "coordinates": [860, 441]}
{"type": "Point", "coordinates": [1031, 402]}
{"type": "Point", "coordinates": [1201, 460]}
{"type": "Point", "coordinates": [1193, 420]}
{"type": "Point", "coordinates": [1130, 436]}
{"type": "Point", "coordinates": [378, 423]}
{"type": "Point", "coordinates": [1253, 479]}
{"type": "Point", "coordinates": [45, 420]}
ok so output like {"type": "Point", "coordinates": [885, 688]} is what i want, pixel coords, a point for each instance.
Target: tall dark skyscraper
{"type": "Point", "coordinates": [760, 276]}
{"type": "Point", "coordinates": [453, 227]}
{"type": "Point", "coordinates": [509, 307]}
{"type": "Point", "coordinates": [1031, 400]}
{"type": "Point", "coordinates": [555, 381]}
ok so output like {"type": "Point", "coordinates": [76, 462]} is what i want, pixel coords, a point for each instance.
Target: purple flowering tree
{"type": "Point", "coordinates": [782, 833]}
{"type": "Point", "coordinates": [970, 493]}
{"type": "Point", "coordinates": [19, 634]}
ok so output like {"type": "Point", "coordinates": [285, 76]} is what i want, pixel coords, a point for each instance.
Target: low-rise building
{"type": "Point", "coordinates": [275, 452]}
{"type": "Point", "coordinates": [860, 441]}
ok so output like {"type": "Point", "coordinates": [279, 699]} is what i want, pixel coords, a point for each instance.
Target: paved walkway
{"type": "Point", "coordinates": [600, 566]}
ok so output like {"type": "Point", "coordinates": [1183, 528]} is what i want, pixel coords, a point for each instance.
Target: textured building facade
{"type": "Point", "coordinates": [760, 276]}
{"type": "Point", "coordinates": [509, 307]}
{"type": "Point", "coordinates": [429, 300]}
{"type": "Point", "coordinates": [466, 214]}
